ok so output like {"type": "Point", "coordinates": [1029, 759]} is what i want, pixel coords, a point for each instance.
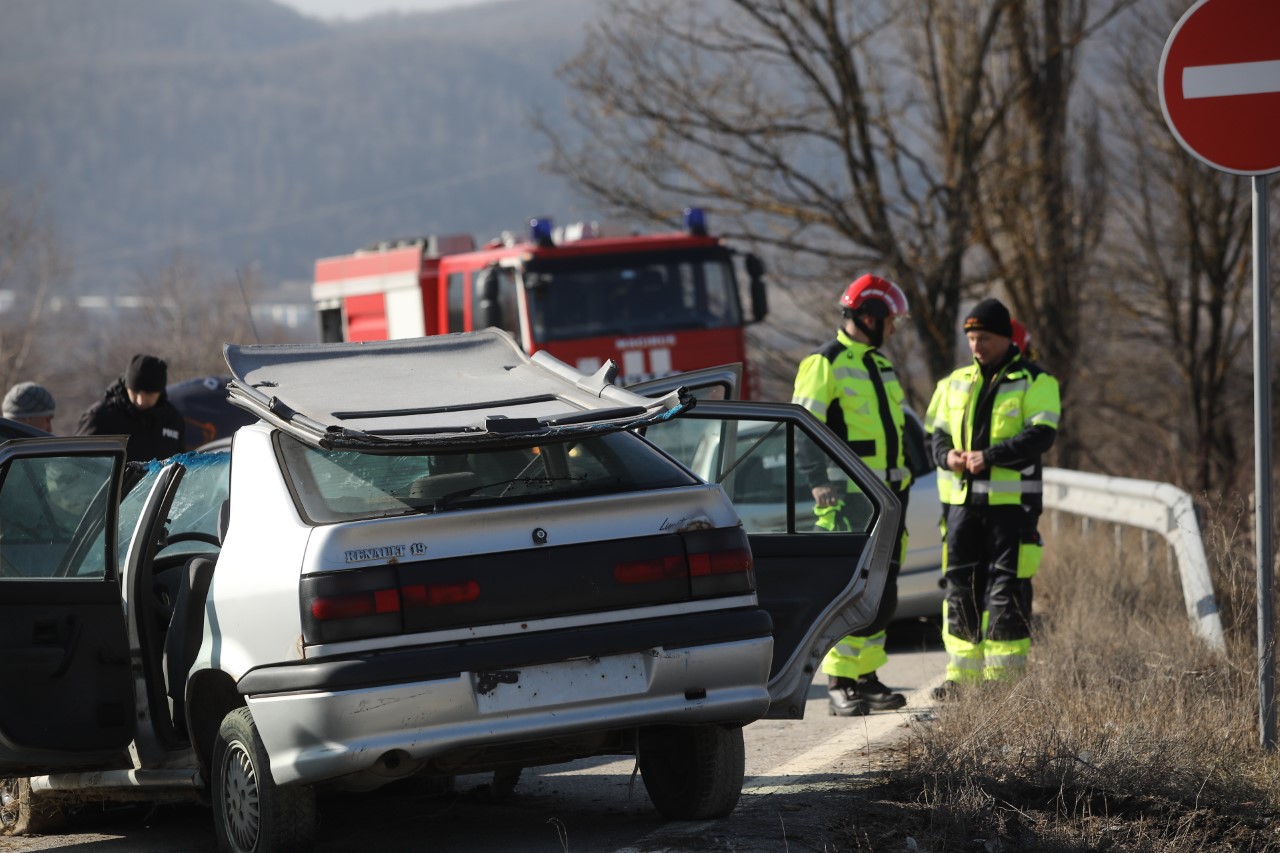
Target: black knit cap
{"type": "Point", "coordinates": [990, 315]}
{"type": "Point", "coordinates": [146, 373]}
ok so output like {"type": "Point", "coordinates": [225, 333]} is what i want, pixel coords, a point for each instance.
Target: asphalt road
{"type": "Point", "coordinates": [791, 797]}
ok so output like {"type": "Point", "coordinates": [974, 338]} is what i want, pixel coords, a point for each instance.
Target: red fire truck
{"type": "Point", "coordinates": [655, 304]}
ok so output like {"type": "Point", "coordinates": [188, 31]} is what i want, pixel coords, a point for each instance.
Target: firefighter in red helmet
{"type": "Point", "coordinates": [850, 385]}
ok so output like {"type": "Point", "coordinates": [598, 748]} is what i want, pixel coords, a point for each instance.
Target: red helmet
{"type": "Point", "coordinates": [1021, 337]}
{"type": "Point", "coordinates": [870, 288]}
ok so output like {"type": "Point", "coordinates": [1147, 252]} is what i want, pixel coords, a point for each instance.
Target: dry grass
{"type": "Point", "coordinates": [1127, 734]}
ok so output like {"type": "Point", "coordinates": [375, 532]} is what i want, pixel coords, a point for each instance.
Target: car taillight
{"type": "Point", "coordinates": [719, 563]}
{"type": "Point", "coordinates": [351, 605]}
{"type": "Point", "coordinates": [714, 563]}
{"type": "Point", "coordinates": [666, 568]}
{"type": "Point", "coordinates": [441, 594]}
{"type": "Point", "coordinates": [357, 605]}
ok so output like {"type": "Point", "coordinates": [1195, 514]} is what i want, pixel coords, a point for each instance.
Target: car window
{"type": "Point", "coordinates": [755, 463]}
{"type": "Point", "coordinates": [332, 486]}
{"type": "Point", "coordinates": [203, 488]}
{"type": "Point", "coordinates": [52, 513]}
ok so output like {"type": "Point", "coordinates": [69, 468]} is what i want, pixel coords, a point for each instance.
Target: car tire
{"type": "Point", "coordinates": [22, 814]}
{"type": "Point", "coordinates": [251, 814]}
{"type": "Point", "coordinates": [692, 772]}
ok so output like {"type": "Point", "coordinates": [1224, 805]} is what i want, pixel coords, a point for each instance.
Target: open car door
{"type": "Point", "coordinates": [818, 584]}
{"type": "Point", "coordinates": [68, 699]}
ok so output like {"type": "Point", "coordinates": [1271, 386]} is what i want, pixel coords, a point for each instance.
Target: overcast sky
{"type": "Point", "coordinates": [361, 8]}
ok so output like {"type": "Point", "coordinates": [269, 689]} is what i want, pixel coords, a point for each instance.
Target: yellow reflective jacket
{"type": "Point", "coordinates": [852, 388]}
{"type": "Point", "coordinates": [1013, 420]}
{"type": "Point", "coordinates": [932, 418]}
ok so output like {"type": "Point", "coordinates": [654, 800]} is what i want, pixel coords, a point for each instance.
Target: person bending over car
{"type": "Point", "coordinates": [136, 405]}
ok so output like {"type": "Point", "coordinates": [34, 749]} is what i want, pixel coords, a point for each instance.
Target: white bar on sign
{"type": "Point", "coordinates": [660, 361]}
{"type": "Point", "coordinates": [1238, 78]}
{"type": "Point", "coordinates": [588, 365]}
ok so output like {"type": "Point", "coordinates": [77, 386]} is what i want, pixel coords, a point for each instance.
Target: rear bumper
{"type": "Point", "coordinates": [330, 719]}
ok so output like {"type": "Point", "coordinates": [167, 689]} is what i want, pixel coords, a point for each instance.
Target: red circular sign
{"type": "Point", "coordinates": [1220, 84]}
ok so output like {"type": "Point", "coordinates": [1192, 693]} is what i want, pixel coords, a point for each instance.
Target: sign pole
{"type": "Point", "coordinates": [1219, 82]}
{"type": "Point", "coordinates": [1262, 461]}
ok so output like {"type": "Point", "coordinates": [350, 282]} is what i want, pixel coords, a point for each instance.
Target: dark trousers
{"type": "Point", "coordinates": [983, 545]}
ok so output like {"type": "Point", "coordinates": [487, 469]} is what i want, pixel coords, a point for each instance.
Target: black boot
{"type": "Point", "coordinates": [946, 691]}
{"type": "Point", "coordinates": [876, 695]}
{"type": "Point", "coordinates": [843, 699]}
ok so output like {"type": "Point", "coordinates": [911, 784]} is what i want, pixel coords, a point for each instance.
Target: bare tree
{"type": "Point", "coordinates": [834, 137]}
{"type": "Point", "coordinates": [34, 267]}
{"type": "Point", "coordinates": [181, 313]}
{"type": "Point", "coordinates": [1044, 208]}
{"type": "Point", "coordinates": [837, 137]}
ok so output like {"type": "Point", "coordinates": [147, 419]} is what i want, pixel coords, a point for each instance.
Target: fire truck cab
{"type": "Point", "coordinates": [656, 304]}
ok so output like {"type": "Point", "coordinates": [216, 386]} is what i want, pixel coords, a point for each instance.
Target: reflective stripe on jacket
{"type": "Point", "coordinates": [837, 385]}
{"type": "Point", "coordinates": [1025, 399]}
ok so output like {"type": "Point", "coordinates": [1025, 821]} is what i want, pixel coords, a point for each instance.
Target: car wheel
{"type": "Point", "coordinates": [692, 772]}
{"type": "Point", "coordinates": [251, 814]}
{"type": "Point", "coordinates": [20, 814]}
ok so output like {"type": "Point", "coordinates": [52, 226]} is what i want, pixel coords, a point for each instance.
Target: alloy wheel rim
{"type": "Point", "coordinates": [240, 805]}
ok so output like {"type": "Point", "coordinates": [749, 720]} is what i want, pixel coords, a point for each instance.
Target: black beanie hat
{"type": "Point", "coordinates": [146, 373]}
{"type": "Point", "coordinates": [989, 315]}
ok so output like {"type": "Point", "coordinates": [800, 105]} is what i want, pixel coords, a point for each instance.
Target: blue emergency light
{"type": "Point", "coordinates": [695, 221]}
{"type": "Point", "coordinates": [540, 231]}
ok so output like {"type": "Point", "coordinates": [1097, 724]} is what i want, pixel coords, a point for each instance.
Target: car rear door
{"type": "Point", "coordinates": [817, 584]}
{"type": "Point", "coordinates": [68, 697]}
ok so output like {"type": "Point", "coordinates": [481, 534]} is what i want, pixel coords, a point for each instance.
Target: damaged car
{"type": "Point", "coordinates": [425, 558]}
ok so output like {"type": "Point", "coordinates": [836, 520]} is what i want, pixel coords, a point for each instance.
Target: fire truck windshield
{"type": "Point", "coordinates": [600, 296]}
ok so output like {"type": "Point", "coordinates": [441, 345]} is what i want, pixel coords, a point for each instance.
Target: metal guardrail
{"type": "Point", "coordinates": [1148, 505]}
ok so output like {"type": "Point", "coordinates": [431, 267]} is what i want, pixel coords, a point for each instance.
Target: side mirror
{"type": "Point", "coordinates": [488, 313]}
{"type": "Point", "coordinates": [759, 296]}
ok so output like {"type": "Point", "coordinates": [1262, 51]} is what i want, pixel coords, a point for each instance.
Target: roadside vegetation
{"type": "Point", "coordinates": [1127, 734]}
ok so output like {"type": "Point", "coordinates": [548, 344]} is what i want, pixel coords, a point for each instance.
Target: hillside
{"type": "Point", "coordinates": [242, 133]}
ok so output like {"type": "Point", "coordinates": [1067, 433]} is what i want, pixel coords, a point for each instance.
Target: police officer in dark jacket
{"type": "Point", "coordinates": [136, 405]}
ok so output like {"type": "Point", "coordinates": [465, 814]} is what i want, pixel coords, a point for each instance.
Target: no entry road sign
{"type": "Point", "coordinates": [1220, 84]}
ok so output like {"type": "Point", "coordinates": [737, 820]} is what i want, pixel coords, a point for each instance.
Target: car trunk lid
{"type": "Point", "coordinates": [465, 389]}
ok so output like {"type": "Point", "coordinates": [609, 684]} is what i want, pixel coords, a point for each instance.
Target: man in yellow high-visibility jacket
{"type": "Point", "coordinates": [851, 386]}
{"type": "Point", "coordinates": [994, 421]}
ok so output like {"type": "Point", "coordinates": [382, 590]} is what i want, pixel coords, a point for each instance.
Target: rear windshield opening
{"type": "Point", "coordinates": [333, 486]}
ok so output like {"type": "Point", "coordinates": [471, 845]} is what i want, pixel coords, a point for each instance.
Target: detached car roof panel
{"type": "Point", "coordinates": [460, 389]}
